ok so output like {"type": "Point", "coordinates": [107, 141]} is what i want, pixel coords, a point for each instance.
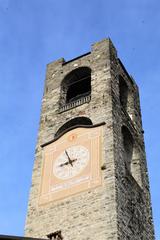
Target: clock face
{"type": "Point", "coordinates": [71, 162]}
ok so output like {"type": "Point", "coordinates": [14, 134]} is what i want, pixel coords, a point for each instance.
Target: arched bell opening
{"type": "Point", "coordinates": [78, 121]}
{"type": "Point", "coordinates": [76, 85]}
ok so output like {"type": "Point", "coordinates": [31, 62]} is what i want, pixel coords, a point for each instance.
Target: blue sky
{"type": "Point", "coordinates": [36, 32]}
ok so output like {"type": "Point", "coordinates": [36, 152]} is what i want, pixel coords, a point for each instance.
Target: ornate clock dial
{"type": "Point", "coordinates": [71, 162]}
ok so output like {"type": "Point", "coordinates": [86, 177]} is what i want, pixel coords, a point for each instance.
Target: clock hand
{"type": "Point", "coordinates": [74, 160]}
{"type": "Point", "coordinates": [67, 155]}
{"type": "Point", "coordinates": [66, 163]}
{"type": "Point", "coordinates": [63, 164]}
{"type": "Point", "coordinates": [70, 161]}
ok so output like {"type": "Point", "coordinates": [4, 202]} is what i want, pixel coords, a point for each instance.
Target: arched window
{"type": "Point", "coordinates": [126, 96]}
{"type": "Point", "coordinates": [127, 147]}
{"type": "Point", "coordinates": [131, 155]}
{"type": "Point", "coordinates": [123, 92]}
{"type": "Point", "coordinates": [78, 121]}
{"type": "Point", "coordinates": [76, 85]}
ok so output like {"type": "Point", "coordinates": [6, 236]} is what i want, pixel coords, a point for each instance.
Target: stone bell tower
{"type": "Point", "coordinates": [90, 176]}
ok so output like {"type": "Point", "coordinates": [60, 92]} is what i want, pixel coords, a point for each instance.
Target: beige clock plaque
{"type": "Point", "coordinates": [71, 164]}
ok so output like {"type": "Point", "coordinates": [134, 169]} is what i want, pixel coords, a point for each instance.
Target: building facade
{"type": "Point", "coordinates": [90, 176]}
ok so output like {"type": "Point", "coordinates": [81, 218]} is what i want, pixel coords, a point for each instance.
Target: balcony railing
{"type": "Point", "coordinates": [74, 104]}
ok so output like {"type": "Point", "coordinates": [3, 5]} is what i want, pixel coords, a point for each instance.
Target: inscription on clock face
{"type": "Point", "coordinates": [71, 162]}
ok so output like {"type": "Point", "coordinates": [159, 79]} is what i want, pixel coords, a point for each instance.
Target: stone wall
{"type": "Point", "coordinates": [132, 187]}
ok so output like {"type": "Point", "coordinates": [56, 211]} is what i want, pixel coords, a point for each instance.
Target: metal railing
{"type": "Point", "coordinates": [74, 104]}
